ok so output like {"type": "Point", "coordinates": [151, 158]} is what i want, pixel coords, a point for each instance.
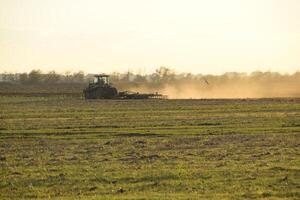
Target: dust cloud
{"type": "Point", "coordinates": [225, 90]}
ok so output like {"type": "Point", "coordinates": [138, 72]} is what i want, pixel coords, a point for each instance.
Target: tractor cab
{"type": "Point", "coordinates": [101, 79]}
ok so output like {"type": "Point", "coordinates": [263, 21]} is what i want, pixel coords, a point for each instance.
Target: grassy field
{"type": "Point", "coordinates": [61, 147]}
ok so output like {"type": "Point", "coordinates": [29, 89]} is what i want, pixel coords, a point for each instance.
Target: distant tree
{"type": "Point", "coordinates": [164, 74]}
{"type": "Point", "coordinates": [257, 75]}
{"type": "Point", "coordinates": [51, 77]}
{"type": "Point", "coordinates": [23, 78]}
{"type": "Point", "coordinates": [9, 77]}
{"type": "Point", "coordinates": [78, 77]}
{"type": "Point", "coordinates": [35, 76]}
{"type": "Point", "coordinates": [67, 77]}
{"type": "Point", "coordinates": [163, 71]}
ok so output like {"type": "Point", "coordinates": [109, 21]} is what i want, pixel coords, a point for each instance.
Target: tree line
{"type": "Point", "coordinates": [161, 76]}
{"type": "Point", "coordinates": [36, 76]}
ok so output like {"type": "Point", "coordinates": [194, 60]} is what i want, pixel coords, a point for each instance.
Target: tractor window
{"type": "Point", "coordinates": [95, 80]}
{"type": "Point", "coordinates": [105, 80]}
{"type": "Point", "coordinates": [101, 80]}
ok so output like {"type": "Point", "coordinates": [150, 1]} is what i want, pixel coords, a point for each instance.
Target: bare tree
{"type": "Point", "coordinates": [35, 76]}
{"type": "Point", "coordinates": [51, 77]}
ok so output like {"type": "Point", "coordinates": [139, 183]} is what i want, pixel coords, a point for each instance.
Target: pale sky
{"type": "Point", "coordinates": [199, 36]}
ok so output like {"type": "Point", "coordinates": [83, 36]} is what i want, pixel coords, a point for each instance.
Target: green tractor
{"type": "Point", "coordinates": [100, 88]}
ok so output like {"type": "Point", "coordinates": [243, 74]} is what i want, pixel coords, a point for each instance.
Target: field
{"type": "Point", "coordinates": [63, 147]}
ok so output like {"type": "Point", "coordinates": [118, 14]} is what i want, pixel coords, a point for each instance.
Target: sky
{"type": "Point", "coordinates": [198, 36]}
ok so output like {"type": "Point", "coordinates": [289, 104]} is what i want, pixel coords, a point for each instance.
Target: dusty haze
{"type": "Point", "coordinates": [240, 89]}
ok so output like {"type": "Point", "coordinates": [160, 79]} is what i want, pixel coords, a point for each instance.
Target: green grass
{"type": "Point", "coordinates": [61, 147]}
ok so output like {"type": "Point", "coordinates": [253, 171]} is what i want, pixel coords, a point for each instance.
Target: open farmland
{"type": "Point", "coordinates": [62, 147]}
